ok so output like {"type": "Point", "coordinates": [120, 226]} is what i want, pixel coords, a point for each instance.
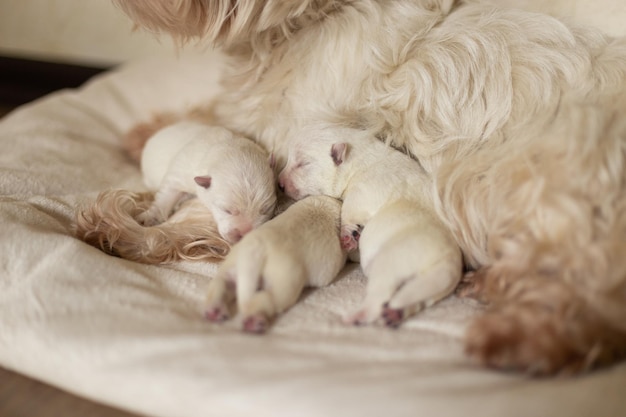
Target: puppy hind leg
{"type": "Point", "coordinates": [250, 263]}
{"type": "Point", "coordinates": [258, 312]}
{"type": "Point", "coordinates": [282, 285]}
{"type": "Point", "coordinates": [163, 204]}
{"type": "Point", "coordinates": [381, 287]}
{"type": "Point", "coordinates": [420, 292]}
{"type": "Point", "coordinates": [220, 296]}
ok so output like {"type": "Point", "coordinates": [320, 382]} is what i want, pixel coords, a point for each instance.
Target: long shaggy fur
{"type": "Point", "coordinates": [189, 234]}
{"type": "Point", "coordinates": [518, 117]}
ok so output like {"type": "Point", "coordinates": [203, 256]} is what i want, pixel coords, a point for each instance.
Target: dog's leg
{"type": "Point", "coordinates": [258, 312]}
{"type": "Point", "coordinates": [421, 291]}
{"type": "Point", "coordinates": [352, 221]}
{"type": "Point", "coordinates": [220, 295]}
{"type": "Point", "coordinates": [381, 286]}
{"type": "Point", "coordinates": [350, 235]}
{"type": "Point", "coordinates": [164, 202]}
{"type": "Point", "coordinates": [541, 326]}
{"type": "Point", "coordinates": [393, 296]}
{"type": "Point", "coordinates": [282, 285]}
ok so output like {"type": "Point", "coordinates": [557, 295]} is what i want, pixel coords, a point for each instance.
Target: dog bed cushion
{"type": "Point", "coordinates": [133, 336]}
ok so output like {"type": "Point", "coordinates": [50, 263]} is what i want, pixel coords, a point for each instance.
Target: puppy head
{"type": "Point", "coordinates": [220, 21]}
{"type": "Point", "coordinates": [315, 166]}
{"type": "Point", "coordinates": [240, 197]}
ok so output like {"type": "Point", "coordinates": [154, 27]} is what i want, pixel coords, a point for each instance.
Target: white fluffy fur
{"type": "Point", "coordinates": [229, 174]}
{"type": "Point", "coordinates": [269, 268]}
{"type": "Point", "coordinates": [518, 118]}
{"type": "Point", "coordinates": [410, 258]}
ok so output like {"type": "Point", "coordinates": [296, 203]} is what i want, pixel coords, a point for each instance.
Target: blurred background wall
{"type": "Point", "coordinates": [94, 32]}
{"type": "Point", "coordinates": [50, 44]}
{"type": "Point", "coordinates": [87, 32]}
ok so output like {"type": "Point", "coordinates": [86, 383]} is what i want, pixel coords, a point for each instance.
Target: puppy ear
{"type": "Point", "coordinates": [338, 152]}
{"type": "Point", "coordinates": [203, 181]}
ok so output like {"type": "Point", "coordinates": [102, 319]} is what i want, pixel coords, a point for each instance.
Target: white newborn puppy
{"type": "Point", "coordinates": [410, 261]}
{"type": "Point", "coordinates": [268, 269]}
{"type": "Point", "coordinates": [410, 258]}
{"type": "Point", "coordinates": [230, 175]}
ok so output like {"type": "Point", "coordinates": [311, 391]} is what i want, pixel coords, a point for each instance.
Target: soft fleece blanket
{"type": "Point", "coordinates": [133, 336]}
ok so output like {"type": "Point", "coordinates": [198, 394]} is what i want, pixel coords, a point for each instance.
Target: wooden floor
{"type": "Point", "coordinates": [24, 397]}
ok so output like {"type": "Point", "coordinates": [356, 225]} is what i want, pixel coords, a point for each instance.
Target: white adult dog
{"type": "Point", "coordinates": [518, 118]}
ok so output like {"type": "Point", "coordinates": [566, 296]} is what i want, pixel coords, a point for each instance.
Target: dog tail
{"type": "Point", "coordinates": [109, 224]}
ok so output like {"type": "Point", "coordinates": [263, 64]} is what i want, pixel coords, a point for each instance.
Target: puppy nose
{"type": "Point", "coordinates": [234, 236]}
{"type": "Point", "coordinates": [243, 230]}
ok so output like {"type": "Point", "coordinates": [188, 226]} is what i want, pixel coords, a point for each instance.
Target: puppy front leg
{"type": "Point", "coordinates": [352, 222]}
{"type": "Point", "coordinates": [350, 235]}
{"type": "Point", "coordinates": [163, 204]}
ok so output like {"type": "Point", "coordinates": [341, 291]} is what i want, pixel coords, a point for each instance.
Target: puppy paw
{"type": "Point", "coordinates": [256, 323]}
{"type": "Point", "coordinates": [217, 314]}
{"type": "Point", "coordinates": [392, 317]}
{"type": "Point", "coordinates": [539, 341]}
{"type": "Point", "coordinates": [360, 318]}
{"type": "Point", "coordinates": [149, 219]}
{"type": "Point", "coordinates": [350, 235]}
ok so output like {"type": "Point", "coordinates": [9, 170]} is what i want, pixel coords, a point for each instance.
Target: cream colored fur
{"type": "Point", "coordinates": [266, 272]}
{"type": "Point", "coordinates": [229, 174]}
{"type": "Point", "coordinates": [518, 118]}
{"type": "Point", "coordinates": [109, 223]}
{"type": "Point", "coordinates": [409, 257]}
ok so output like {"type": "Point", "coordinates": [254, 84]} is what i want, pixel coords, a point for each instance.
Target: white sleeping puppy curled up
{"type": "Point", "coordinates": [231, 175]}
{"type": "Point", "coordinates": [410, 258]}
{"type": "Point", "coordinates": [268, 269]}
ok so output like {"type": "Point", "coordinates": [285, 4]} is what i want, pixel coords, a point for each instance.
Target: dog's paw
{"type": "Point", "coordinates": [256, 323]}
{"type": "Point", "coordinates": [392, 317]}
{"type": "Point", "coordinates": [149, 219]}
{"type": "Point", "coordinates": [535, 340]}
{"type": "Point", "coordinates": [361, 317]}
{"type": "Point", "coordinates": [217, 313]}
{"type": "Point", "coordinates": [350, 235]}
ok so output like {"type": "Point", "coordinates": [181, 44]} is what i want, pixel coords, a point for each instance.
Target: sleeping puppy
{"type": "Point", "coordinates": [231, 175]}
{"type": "Point", "coordinates": [517, 117]}
{"type": "Point", "coordinates": [268, 269]}
{"type": "Point", "coordinates": [410, 258]}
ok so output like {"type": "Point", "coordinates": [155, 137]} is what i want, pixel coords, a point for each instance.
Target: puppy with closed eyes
{"type": "Point", "coordinates": [409, 257]}
{"type": "Point", "coordinates": [517, 117]}
{"type": "Point", "coordinates": [231, 175]}
{"type": "Point", "coordinates": [267, 270]}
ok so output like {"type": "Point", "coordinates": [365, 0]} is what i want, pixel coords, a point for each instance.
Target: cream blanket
{"type": "Point", "coordinates": [133, 335]}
